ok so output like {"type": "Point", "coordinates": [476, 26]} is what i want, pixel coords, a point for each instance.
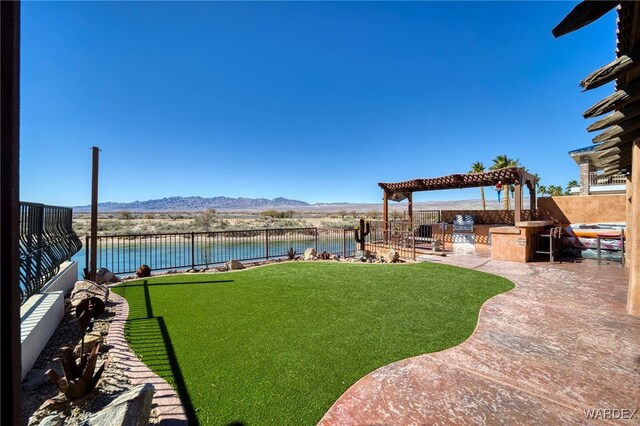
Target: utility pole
{"type": "Point", "coordinates": [94, 214]}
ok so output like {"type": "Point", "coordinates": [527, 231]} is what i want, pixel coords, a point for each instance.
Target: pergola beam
{"type": "Point", "coordinates": [508, 176]}
{"type": "Point", "coordinates": [398, 191]}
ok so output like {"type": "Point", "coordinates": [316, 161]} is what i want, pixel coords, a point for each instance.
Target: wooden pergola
{"type": "Point", "coordinates": [398, 191]}
{"type": "Point", "coordinates": [620, 137]}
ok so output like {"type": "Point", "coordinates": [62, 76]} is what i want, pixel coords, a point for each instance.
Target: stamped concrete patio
{"type": "Point", "coordinates": [557, 346]}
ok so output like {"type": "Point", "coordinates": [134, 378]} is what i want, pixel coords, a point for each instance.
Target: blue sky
{"type": "Point", "coordinates": [304, 100]}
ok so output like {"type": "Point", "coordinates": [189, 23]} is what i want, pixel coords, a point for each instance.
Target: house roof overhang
{"type": "Point", "coordinates": [621, 128]}
{"type": "Point", "coordinates": [590, 152]}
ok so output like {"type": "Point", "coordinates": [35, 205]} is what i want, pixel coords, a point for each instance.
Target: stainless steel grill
{"type": "Point", "coordinates": [463, 223]}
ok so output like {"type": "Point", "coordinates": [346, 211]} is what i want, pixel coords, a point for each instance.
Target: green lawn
{"type": "Point", "coordinates": [277, 345]}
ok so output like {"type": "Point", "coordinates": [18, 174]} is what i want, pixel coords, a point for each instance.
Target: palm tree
{"type": "Point", "coordinates": [542, 190]}
{"type": "Point", "coordinates": [478, 167]}
{"type": "Point", "coordinates": [571, 184]}
{"type": "Point", "coordinates": [554, 190]}
{"type": "Point", "coordinates": [500, 162]}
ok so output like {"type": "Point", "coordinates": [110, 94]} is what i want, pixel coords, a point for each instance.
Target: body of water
{"type": "Point", "coordinates": [124, 257]}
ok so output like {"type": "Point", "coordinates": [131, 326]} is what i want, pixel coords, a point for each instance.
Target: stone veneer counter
{"type": "Point", "coordinates": [516, 243]}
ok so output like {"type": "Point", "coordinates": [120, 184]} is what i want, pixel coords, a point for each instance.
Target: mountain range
{"type": "Point", "coordinates": [186, 204]}
{"type": "Point", "coordinates": [195, 204]}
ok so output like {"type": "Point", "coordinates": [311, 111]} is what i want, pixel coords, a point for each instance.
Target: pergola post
{"type": "Point", "coordinates": [410, 207]}
{"type": "Point", "coordinates": [633, 296]}
{"type": "Point", "coordinates": [533, 203]}
{"type": "Point", "coordinates": [385, 216]}
{"type": "Point", "coordinates": [517, 201]}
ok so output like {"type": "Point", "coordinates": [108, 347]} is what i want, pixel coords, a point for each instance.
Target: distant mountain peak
{"type": "Point", "coordinates": [196, 203]}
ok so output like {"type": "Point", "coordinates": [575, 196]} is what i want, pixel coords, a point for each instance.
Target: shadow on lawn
{"type": "Point", "coordinates": [159, 354]}
{"type": "Point", "coordinates": [145, 284]}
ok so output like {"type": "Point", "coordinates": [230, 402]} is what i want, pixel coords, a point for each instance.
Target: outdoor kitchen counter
{"type": "Point", "coordinates": [515, 243]}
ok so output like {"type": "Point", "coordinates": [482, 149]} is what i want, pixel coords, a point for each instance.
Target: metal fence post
{"type": "Point", "coordinates": [94, 211]}
{"type": "Point", "coordinates": [39, 234]}
{"type": "Point", "coordinates": [193, 251]}
{"type": "Point", "coordinates": [413, 244]}
{"type": "Point", "coordinates": [266, 245]}
{"type": "Point", "coordinates": [344, 243]}
{"type": "Point", "coordinates": [86, 255]}
{"type": "Point", "coordinates": [316, 238]}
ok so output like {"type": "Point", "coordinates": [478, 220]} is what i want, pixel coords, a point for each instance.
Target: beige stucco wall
{"type": "Point", "coordinates": [583, 208]}
{"type": "Point", "coordinates": [514, 243]}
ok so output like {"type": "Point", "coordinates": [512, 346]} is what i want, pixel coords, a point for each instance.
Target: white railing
{"type": "Point", "coordinates": [597, 179]}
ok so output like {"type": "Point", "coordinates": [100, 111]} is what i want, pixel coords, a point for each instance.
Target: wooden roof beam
{"type": "Point", "coordinates": [623, 139]}
{"type": "Point", "coordinates": [612, 71]}
{"type": "Point", "coordinates": [616, 169]}
{"type": "Point", "coordinates": [619, 162]}
{"type": "Point", "coordinates": [616, 118]}
{"type": "Point", "coordinates": [614, 101]}
{"type": "Point", "coordinates": [582, 15]}
{"type": "Point", "coordinates": [616, 131]}
{"type": "Point", "coordinates": [607, 152]}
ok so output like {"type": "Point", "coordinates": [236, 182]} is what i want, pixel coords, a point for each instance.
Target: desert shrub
{"type": "Point", "coordinates": [346, 223]}
{"type": "Point", "coordinates": [373, 214]}
{"type": "Point", "coordinates": [205, 219]}
{"type": "Point", "coordinates": [276, 214]}
{"type": "Point", "coordinates": [125, 215]}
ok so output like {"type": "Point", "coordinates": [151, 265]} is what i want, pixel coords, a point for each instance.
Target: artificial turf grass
{"type": "Point", "coordinates": [279, 344]}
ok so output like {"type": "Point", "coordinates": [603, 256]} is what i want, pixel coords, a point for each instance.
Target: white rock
{"type": "Point", "coordinates": [235, 265]}
{"type": "Point", "coordinates": [310, 254]}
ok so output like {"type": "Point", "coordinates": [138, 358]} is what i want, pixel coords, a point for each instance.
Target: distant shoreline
{"type": "Point", "coordinates": [322, 208]}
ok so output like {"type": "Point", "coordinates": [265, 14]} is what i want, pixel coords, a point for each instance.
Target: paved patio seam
{"type": "Point", "coordinates": [519, 388]}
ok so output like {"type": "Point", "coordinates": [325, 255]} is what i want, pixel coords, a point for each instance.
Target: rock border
{"type": "Point", "coordinates": [166, 405]}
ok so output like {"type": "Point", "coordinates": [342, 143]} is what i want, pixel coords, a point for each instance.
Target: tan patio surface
{"type": "Point", "coordinates": [558, 345]}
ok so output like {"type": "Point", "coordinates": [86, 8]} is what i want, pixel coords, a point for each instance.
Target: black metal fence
{"type": "Point", "coordinates": [425, 217]}
{"type": "Point", "coordinates": [123, 254]}
{"type": "Point", "coordinates": [46, 240]}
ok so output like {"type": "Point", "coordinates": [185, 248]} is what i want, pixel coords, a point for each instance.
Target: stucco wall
{"type": "Point", "coordinates": [583, 208]}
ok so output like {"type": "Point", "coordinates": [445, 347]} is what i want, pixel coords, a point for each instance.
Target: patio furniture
{"type": "Point", "coordinates": [463, 236]}
{"type": "Point", "coordinates": [602, 238]}
{"type": "Point", "coordinates": [424, 236]}
{"type": "Point", "coordinates": [549, 242]}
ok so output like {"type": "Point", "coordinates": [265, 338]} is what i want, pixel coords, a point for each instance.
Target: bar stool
{"type": "Point", "coordinates": [610, 236]}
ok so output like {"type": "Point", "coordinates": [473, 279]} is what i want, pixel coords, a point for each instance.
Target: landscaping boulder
{"type": "Point", "coordinates": [84, 289]}
{"type": "Point", "coordinates": [105, 276]}
{"type": "Point", "coordinates": [54, 419]}
{"type": "Point", "coordinates": [132, 408]}
{"type": "Point", "coordinates": [143, 271]}
{"type": "Point", "coordinates": [310, 254]}
{"type": "Point", "coordinates": [388, 255]}
{"type": "Point", "coordinates": [37, 377]}
{"type": "Point", "coordinates": [49, 413]}
{"type": "Point", "coordinates": [235, 265]}
{"type": "Point", "coordinates": [90, 340]}
{"type": "Point", "coordinates": [362, 255]}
